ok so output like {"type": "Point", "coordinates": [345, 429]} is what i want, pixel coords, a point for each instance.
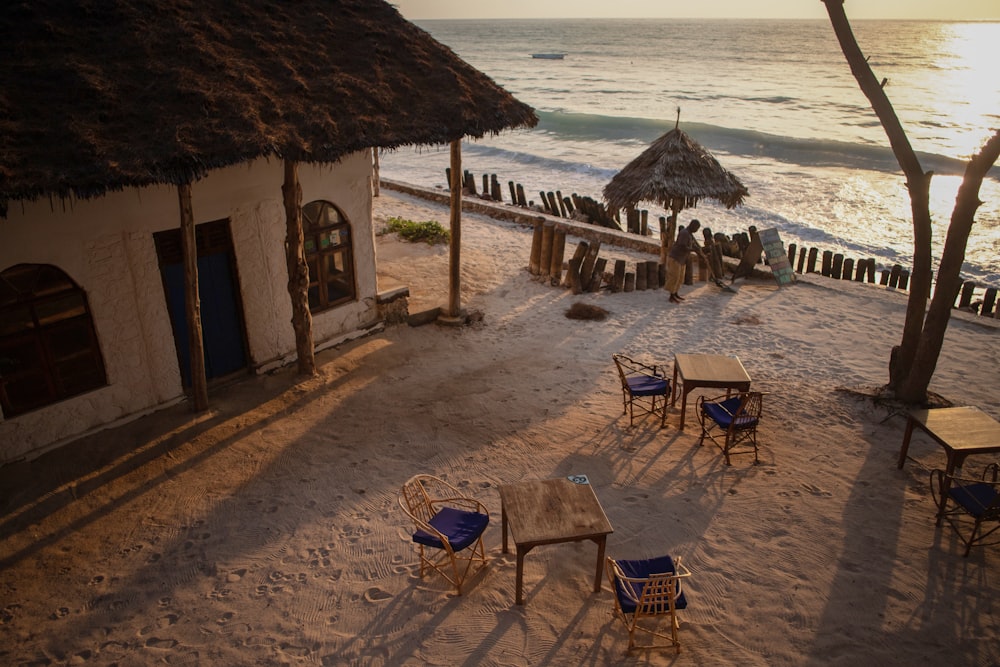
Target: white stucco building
{"type": "Point", "coordinates": [118, 251]}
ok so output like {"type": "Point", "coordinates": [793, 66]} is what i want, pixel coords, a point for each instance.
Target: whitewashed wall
{"type": "Point", "coordinates": [106, 246]}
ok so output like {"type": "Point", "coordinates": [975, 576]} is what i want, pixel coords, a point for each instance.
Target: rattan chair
{"type": "Point", "coordinates": [645, 387]}
{"type": "Point", "coordinates": [969, 505]}
{"type": "Point", "coordinates": [731, 422]}
{"type": "Point", "coordinates": [449, 528]}
{"type": "Point", "coordinates": [647, 595]}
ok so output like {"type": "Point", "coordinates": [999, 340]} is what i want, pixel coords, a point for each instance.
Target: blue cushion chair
{"type": "Point", "coordinates": [449, 528]}
{"type": "Point", "coordinates": [645, 387]}
{"type": "Point", "coordinates": [971, 506]}
{"type": "Point", "coordinates": [731, 422]}
{"type": "Point", "coordinates": [648, 594]}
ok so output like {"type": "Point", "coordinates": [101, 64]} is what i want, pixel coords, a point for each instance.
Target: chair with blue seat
{"type": "Point", "coordinates": [449, 528]}
{"type": "Point", "coordinates": [645, 387]}
{"type": "Point", "coordinates": [648, 594]}
{"type": "Point", "coordinates": [969, 505]}
{"type": "Point", "coordinates": [731, 422]}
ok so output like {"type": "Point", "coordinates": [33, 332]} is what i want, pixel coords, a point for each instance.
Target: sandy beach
{"type": "Point", "coordinates": [267, 530]}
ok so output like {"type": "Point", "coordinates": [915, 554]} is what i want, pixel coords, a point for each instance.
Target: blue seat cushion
{"type": "Point", "coordinates": [722, 413]}
{"type": "Point", "coordinates": [647, 385]}
{"type": "Point", "coordinates": [462, 528]}
{"type": "Point", "coordinates": [974, 498]}
{"type": "Point", "coordinates": [642, 569]}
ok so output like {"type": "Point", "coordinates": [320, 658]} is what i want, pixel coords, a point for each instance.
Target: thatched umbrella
{"type": "Point", "coordinates": [675, 172]}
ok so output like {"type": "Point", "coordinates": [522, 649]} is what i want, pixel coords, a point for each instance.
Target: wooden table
{"type": "Point", "coordinates": [961, 431]}
{"type": "Point", "coordinates": [551, 511]}
{"type": "Point", "coordinates": [706, 370]}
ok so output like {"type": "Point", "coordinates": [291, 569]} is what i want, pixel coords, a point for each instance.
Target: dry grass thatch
{"type": "Point", "coordinates": [675, 172]}
{"type": "Point", "coordinates": [96, 97]}
{"type": "Point", "coordinates": [586, 311]}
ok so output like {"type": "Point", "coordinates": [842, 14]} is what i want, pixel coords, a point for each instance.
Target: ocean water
{"type": "Point", "coordinates": [774, 101]}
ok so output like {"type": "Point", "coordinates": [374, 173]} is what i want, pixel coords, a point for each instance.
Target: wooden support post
{"type": "Point", "coordinates": [859, 273]}
{"type": "Point", "coordinates": [664, 246]}
{"type": "Point", "coordinates": [495, 188]}
{"type": "Point", "coordinates": [632, 221]}
{"type": "Point", "coordinates": [802, 261]}
{"type": "Point", "coordinates": [587, 268]}
{"type": "Point", "coordinates": [521, 200]}
{"type": "Point", "coordinates": [598, 276]}
{"type": "Point", "coordinates": [640, 276]}
{"type": "Point", "coordinates": [885, 277]}
{"type": "Point", "coordinates": [791, 253]}
{"type": "Point", "coordinates": [848, 271]}
{"type": "Point", "coordinates": [298, 270]}
{"type": "Point", "coordinates": [192, 300]}
{"type": "Point", "coordinates": [486, 184]}
{"type": "Point", "coordinates": [871, 270]}
{"type": "Point", "coordinates": [965, 296]}
{"type": "Point", "coordinates": [470, 182]}
{"type": "Point", "coordinates": [561, 204]}
{"type": "Point", "coordinates": [827, 262]}
{"type": "Point", "coordinates": [545, 202]}
{"type": "Point", "coordinates": [545, 260]}
{"type": "Point", "coordinates": [644, 222]}
{"type": "Point", "coordinates": [576, 265]}
{"type": "Point", "coordinates": [553, 204]}
{"type": "Point", "coordinates": [629, 282]}
{"type": "Point", "coordinates": [989, 299]}
{"type": "Point", "coordinates": [904, 279]}
{"type": "Point", "coordinates": [811, 262]}
{"type": "Point", "coordinates": [894, 275]}
{"type": "Point", "coordinates": [513, 192]}
{"type": "Point", "coordinates": [455, 235]}
{"type": "Point", "coordinates": [618, 281]}
{"type": "Point", "coordinates": [535, 259]}
{"type": "Point", "coordinates": [837, 267]}
{"type": "Point", "coordinates": [558, 251]}
{"type": "Point", "coordinates": [652, 274]}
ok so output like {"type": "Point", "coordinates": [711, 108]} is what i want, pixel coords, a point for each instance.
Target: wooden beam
{"type": "Point", "coordinates": [455, 239]}
{"type": "Point", "coordinates": [192, 300]}
{"type": "Point", "coordinates": [298, 270]}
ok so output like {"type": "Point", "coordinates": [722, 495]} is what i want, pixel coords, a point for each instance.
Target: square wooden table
{"type": "Point", "coordinates": [960, 431]}
{"type": "Point", "coordinates": [706, 370]}
{"type": "Point", "coordinates": [551, 511]}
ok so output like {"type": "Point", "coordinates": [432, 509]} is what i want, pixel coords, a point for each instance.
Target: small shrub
{"type": "Point", "coordinates": [585, 311]}
{"type": "Point", "coordinates": [429, 231]}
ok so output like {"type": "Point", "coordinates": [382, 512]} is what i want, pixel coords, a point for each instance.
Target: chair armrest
{"type": "Point", "coordinates": [461, 502]}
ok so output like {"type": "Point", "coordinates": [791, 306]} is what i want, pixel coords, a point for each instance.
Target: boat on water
{"type": "Point", "coordinates": [548, 56]}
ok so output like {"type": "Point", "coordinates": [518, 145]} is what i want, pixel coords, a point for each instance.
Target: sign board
{"type": "Point", "coordinates": [774, 250]}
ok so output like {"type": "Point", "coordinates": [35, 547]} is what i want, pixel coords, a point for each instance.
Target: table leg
{"type": "Point", "coordinates": [684, 407]}
{"type": "Point", "coordinates": [601, 542]}
{"type": "Point", "coordinates": [519, 580]}
{"type": "Point", "coordinates": [503, 526]}
{"type": "Point", "coordinates": [673, 388]}
{"type": "Point", "coordinates": [906, 442]}
{"type": "Point", "coordinates": [949, 472]}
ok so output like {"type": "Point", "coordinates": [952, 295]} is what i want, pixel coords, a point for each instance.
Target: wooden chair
{"type": "Point", "coordinates": [731, 422]}
{"type": "Point", "coordinates": [648, 593]}
{"type": "Point", "coordinates": [976, 503]}
{"type": "Point", "coordinates": [644, 387]}
{"type": "Point", "coordinates": [449, 524]}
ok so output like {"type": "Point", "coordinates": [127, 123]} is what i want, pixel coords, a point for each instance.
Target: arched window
{"type": "Point", "coordinates": [48, 347]}
{"type": "Point", "coordinates": [328, 253]}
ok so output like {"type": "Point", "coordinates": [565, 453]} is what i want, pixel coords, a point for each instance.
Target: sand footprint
{"type": "Point", "coordinates": [376, 594]}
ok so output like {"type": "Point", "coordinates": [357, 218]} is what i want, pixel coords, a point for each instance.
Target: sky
{"type": "Point", "coordinates": [415, 10]}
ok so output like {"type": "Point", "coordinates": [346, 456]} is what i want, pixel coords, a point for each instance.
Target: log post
{"type": "Point", "coordinates": [652, 274]}
{"type": "Point", "coordinates": [192, 300]}
{"type": "Point", "coordinates": [965, 296]}
{"type": "Point", "coordinates": [802, 260]}
{"type": "Point", "coordinates": [587, 268]}
{"type": "Point", "coordinates": [535, 259]}
{"type": "Point", "coordinates": [837, 266]}
{"type": "Point", "coordinates": [598, 275]}
{"type": "Point", "coordinates": [827, 262]}
{"type": "Point", "coordinates": [521, 200]}
{"type": "Point", "coordinates": [894, 275]}
{"type": "Point", "coordinates": [644, 222]}
{"type": "Point", "coordinates": [545, 260]}
{"type": "Point", "coordinates": [575, 266]}
{"type": "Point", "coordinates": [989, 299]}
{"type": "Point", "coordinates": [871, 270]}
{"type": "Point", "coordinates": [298, 270]}
{"type": "Point", "coordinates": [558, 251]}
{"type": "Point", "coordinates": [904, 279]}
{"type": "Point", "coordinates": [640, 276]}
{"type": "Point", "coordinates": [618, 281]}
{"type": "Point", "coordinates": [553, 204]}
{"type": "Point", "coordinates": [848, 270]}
{"type": "Point", "coordinates": [513, 192]}
{"type": "Point", "coordinates": [811, 263]}
{"type": "Point", "coordinates": [791, 253]}
{"type": "Point", "coordinates": [455, 237]}
{"type": "Point", "coordinates": [629, 282]}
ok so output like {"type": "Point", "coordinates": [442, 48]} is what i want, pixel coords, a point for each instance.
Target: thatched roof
{"type": "Point", "coordinates": [100, 95]}
{"type": "Point", "coordinates": [675, 172]}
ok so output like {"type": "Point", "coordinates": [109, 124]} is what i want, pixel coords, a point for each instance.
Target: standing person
{"type": "Point", "coordinates": [677, 259]}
